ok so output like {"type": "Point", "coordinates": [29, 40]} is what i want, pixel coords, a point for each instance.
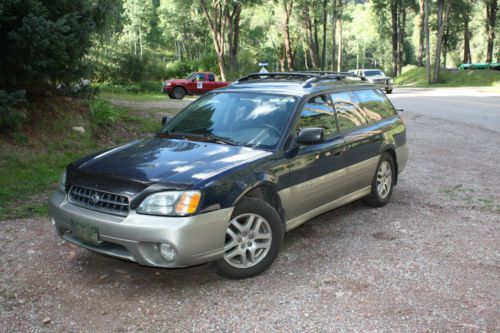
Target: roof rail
{"type": "Point", "coordinates": [275, 75]}
{"type": "Point", "coordinates": [309, 77]}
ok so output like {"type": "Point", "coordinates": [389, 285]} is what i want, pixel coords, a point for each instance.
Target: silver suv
{"type": "Point", "coordinates": [377, 77]}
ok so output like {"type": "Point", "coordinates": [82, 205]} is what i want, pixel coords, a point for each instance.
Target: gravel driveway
{"type": "Point", "coordinates": [428, 261]}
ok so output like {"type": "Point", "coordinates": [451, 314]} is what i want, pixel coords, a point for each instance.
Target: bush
{"type": "Point", "coordinates": [11, 115]}
{"type": "Point", "coordinates": [102, 111]}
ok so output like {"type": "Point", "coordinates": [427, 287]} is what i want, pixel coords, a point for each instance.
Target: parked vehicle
{"type": "Point", "coordinates": [231, 173]}
{"type": "Point", "coordinates": [377, 77]}
{"type": "Point", "coordinates": [195, 84]}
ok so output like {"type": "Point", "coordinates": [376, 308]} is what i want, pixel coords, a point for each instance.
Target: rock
{"type": "Point", "coordinates": [79, 129]}
{"type": "Point", "coordinates": [46, 320]}
{"type": "Point", "coordinates": [102, 277]}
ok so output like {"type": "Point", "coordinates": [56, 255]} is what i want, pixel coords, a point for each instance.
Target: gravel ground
{"type": "Point", "coordinates": [428, 261]}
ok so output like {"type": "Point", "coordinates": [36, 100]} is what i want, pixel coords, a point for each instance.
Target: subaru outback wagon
{"type": "Point", "coordinates": [229, 175]}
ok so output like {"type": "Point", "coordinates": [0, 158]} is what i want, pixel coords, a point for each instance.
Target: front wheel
{"type": "Point", "coordinates": [178, 93]}
{"type": "Point", "coordinates": [388, 91]}
{"type": "Point", "coordinates": [383, 182]}
{"type": "Point", "coordinates": [253, 239]}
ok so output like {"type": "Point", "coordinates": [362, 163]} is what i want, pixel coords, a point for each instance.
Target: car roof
{"type": "Point", "coordinates": [297, 83]}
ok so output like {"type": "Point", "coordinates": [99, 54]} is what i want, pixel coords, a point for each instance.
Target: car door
{"type": "Point", "coordinates": [316, 171]}
{"type": "Point", "coordinates": [201, 86]}
{"type": "Point", "coordinates": [362, 139]}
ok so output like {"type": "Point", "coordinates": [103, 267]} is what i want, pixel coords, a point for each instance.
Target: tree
{"type": "Point", "coordinates": [427, 43]}
{"type": "Point", "coordinates": [442, 10]}
{"type": "Point", "coordinates": [308, 25]}
{"type": "Point", "coordinates": [138, 16]}
{"type": "Point", "coordinates": [325, 20]}
{"type": "Point", "coordinates": [421, 33]}
{"type": "Point", "coordinates": [217, 21]}
{"type": "Point", "coordinates": [288, 6]}
{"type": "Point", "coordinates": [334, 32]}
{"type": "Point", "coordinates": [339, 52]}
{"type": "Point", "coordinates": [43, 42]}
{"type": "Point", "coordinates": [491, 16]}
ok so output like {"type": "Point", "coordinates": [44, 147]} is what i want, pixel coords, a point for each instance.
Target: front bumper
{"type": "Point", "coordinates": [197, 239]}
{"type": "Point", "coordinates": [167, 89]}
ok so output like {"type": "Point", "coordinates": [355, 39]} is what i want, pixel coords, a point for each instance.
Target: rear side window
{"type": "Point", "coordinates": [348, 114]}
{"type": "Point", "coordinates": [374, 104]}
{"type": "Point", "coordinates": [318, 112]}
{"type": "Point", "coordinates": [211, 77]}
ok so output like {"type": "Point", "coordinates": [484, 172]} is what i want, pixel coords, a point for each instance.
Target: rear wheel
{"type": "Point", "coordinates": [383, 182]}
{"type": "Point", "coordinates": [253, 239]}
{"type": "Point", "coordinates": [388, 91]}
{"type": "Point", "coordinates": [178, 93]}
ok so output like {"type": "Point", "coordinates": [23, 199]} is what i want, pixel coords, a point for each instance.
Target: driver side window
{"type": "Point", "coordinates": [318, 112]}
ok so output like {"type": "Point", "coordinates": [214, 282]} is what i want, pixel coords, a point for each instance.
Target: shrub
{"type": "Point", "coordinates": [11, 115]}
{"type": "Point", "coordinates": [102, 111]}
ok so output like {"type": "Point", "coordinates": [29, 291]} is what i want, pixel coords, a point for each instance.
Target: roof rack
{"type": "Point", "coordinates": [309, 77]}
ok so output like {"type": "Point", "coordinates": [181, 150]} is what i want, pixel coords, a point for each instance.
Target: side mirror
{"type": "Point", "coordinates": [164, 120]}
{"type": "Point", "coordinates": [311, 135]}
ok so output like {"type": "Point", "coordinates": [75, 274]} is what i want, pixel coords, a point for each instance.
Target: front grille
{"type": "Point", "coordinates": [98, 200]}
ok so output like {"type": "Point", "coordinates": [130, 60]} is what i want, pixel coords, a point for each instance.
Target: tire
{"type": "Point", "coordinates": [383, 182]}
{"type": "Point", "coordinates": [178, 93]}
{"type": "Point", "coordinates": [388, 91]}
{"type": "Point", "coordinates": [170, 95]}
{"type": "Point", "coordinates": [256, 228]}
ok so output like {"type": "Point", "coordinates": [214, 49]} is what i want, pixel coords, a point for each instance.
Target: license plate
{"type": "Point", "coordinates": [86, 232]}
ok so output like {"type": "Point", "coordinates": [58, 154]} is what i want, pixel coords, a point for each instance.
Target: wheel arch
{"type": "Point", "coordinates": [391, 150]}
{"type": "Point", "coordinates": [267, 192]}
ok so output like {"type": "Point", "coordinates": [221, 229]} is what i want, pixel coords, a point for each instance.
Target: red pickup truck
{"type": "Point", "coordinates": [195, 84]}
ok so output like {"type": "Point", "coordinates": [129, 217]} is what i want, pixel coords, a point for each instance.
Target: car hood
{"type": "Point", "coordinates": [178, 81]}
{"type": "Point", "coordinates": [377, 77]}
{"type": "Point", "coordinates": [169, 160]}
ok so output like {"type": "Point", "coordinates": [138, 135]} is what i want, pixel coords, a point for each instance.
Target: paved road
{"type": "Point", "coordinates": [476, 106]}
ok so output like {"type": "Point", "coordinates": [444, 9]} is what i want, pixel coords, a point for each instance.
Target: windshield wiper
{"type": "Point", "coordinates": [219, 139]}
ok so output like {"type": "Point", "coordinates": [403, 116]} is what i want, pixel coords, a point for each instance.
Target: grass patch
{"type": "Point", "coordinates": [141, 87]}
{"type": "Point", "coordinates": [134, 97]}
{"type": "Point", "coordinates": [33, 158]}
{"type": "Point", "coordinates": [450, 78]}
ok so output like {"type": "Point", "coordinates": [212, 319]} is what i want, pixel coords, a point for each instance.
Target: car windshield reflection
{"type": "Point", "coordinates": [247, 119]}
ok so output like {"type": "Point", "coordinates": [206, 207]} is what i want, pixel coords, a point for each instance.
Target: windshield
{"type": "Point", "coordinates": [191, 76]}
{"type": "Point", "coordinates": [248, 119]}
{"type": "Point", "coordinates": [373, 73]}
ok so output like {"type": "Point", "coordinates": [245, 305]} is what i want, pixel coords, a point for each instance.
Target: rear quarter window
{"type": "Point", "coordinates": [348, 114]}
{"type": "Point", "coordinates": [374, 104]}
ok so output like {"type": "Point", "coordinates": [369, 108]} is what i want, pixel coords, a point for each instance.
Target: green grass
{"type": "Point", "coordinates": [32, 159]}
{"type": "Point", "coordinates": [450, 78]}
{"type": "Point", "coordinates": [134, 97]}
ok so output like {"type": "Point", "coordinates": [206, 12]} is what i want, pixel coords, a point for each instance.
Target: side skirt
{"type": "Point", "coordinates": [297, 221]}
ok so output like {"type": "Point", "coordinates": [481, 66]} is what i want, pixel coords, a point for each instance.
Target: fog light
{"type": "Point", "coordinates": [167, 252]}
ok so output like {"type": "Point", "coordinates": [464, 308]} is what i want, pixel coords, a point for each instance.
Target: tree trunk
{"type": "Point", "coordinates": [325, 19]}
{"type": "Point", "coordinates": [427, 43]}
{"type": "Point", "coordinates": [233, 20]}
{"type": "Point", "coordinates": [421, 34]}
{"type": "Point", "coordinates": [315, 26]}
{"type": "Point", "coordinates": [309, 36]}
{"type": "Point", "coordinates": [439, 39]}
{"type": "Point", "coordinates": [467, 56]}
{"type": "Point", "coordinates": [339, 52]}
{"type": "Point", "coordinates": [334, 33]}
{"type": "Point", "coordinates": [491, 15]}
{"type": "Point", "coordinates": [395, 39]}
{"type": "Point", "coordinates": [217, 26]}
{"type": "Point", "coordinates": [288, 45]}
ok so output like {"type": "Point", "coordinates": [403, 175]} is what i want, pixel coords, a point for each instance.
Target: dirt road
{"type": "Point", "coordinates": [428, 261]}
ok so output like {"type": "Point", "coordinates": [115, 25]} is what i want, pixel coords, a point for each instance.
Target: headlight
{"type": "Point", "coordinates": [168, 84]}
{"type": "Point", "coordinates": [62, 182]}
{"type": "Point", "coordinates": [177, 203]}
